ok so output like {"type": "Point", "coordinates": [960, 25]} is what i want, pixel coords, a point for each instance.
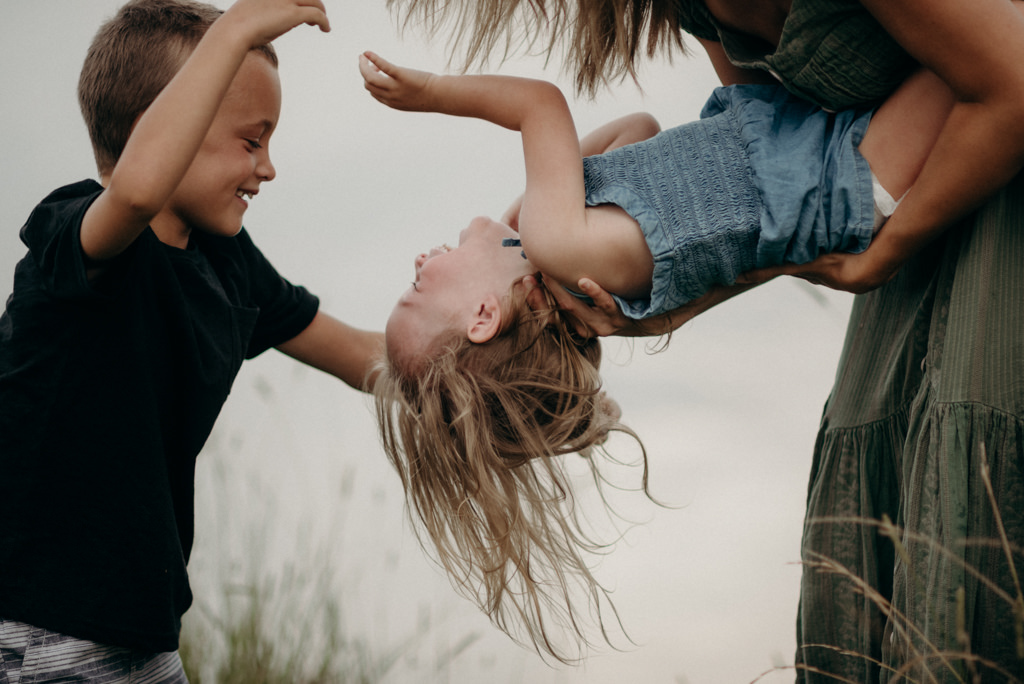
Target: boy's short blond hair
{"type": "Point", "coordinates": [132, 58]}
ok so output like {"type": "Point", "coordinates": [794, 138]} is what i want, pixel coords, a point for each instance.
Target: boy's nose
{"type": "Point", "coordinates": [265, 169]}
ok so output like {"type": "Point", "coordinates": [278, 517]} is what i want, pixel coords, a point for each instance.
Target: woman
{"type": "Point", "coordinates": [931, 380]}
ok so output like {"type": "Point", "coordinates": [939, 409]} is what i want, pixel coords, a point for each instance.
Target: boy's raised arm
{"type": "Point", "coordinates": [168, 135]}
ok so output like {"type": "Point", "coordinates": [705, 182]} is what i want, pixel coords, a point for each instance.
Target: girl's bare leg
{"type": "Point", "coordinates": [904, 130]}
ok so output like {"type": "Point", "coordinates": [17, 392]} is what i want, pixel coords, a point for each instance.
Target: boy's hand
{"type": "Point", "coordinates": [395, 86]}
{"type": "Point", "coordinates": [261, 21]}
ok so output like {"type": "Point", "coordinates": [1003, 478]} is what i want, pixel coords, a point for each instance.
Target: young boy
{"type": "Point", "coordinates": [131, 314]}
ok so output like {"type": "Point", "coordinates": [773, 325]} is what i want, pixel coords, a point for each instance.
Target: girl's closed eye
{"type": "Point", "coordinates": [415, 286]}
{"type": "Point", "coordinates": [255, 144]}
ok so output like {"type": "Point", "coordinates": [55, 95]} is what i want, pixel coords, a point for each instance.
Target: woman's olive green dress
{"type": "Point", "coordinates": [930, 386]}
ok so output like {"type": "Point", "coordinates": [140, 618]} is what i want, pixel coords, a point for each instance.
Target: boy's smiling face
{"type": "Point", "coordinates": [232, 161]}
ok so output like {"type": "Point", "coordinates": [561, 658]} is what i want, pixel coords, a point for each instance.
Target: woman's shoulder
{"type": "Point", "coordinates": [695, 19]}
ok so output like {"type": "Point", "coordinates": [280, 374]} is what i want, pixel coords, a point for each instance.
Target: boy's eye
{"type": "Point", "coordinates": [255, 144]}
{"type": "Point", "coordinates": [415, 286]}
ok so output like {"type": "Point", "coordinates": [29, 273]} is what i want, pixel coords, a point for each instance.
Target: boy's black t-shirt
{"type": "Point", "coordinates": [108, 391]}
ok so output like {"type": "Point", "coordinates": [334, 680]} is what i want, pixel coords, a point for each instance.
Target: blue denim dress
{"type": "Point", "coordinates": [760, 179]}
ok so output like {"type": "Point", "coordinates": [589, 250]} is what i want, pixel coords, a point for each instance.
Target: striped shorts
{"type": "Point", "coordinates": [33, 655]}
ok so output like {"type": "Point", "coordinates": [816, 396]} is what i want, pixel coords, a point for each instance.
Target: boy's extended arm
{"type": "Point", "coordinates": [337, 348]}
{"type": "Point", "coordinates": [168, 135]}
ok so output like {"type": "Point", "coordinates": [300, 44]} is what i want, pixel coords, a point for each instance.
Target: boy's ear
{"type": "Point", "coordinates": [485, 323]}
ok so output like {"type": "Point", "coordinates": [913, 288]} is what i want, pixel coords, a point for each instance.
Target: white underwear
{"type": "Point", "coordinates": [884, 203]}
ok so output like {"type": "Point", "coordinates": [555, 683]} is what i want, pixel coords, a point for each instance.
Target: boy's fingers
{"type": "Point", "coordinates": [318, 15]}
{"type": "Point", "coordinates": [315, 14]}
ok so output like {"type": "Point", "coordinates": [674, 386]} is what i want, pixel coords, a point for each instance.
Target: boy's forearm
{"type": "Point", "coordinates": [168, 135]}
{"type": "Point", "coordinates": [339, 349]}
{"type": "Point", "coordinates": [163, 144]}
{"type": "Point", "coordinates": [170, 132]}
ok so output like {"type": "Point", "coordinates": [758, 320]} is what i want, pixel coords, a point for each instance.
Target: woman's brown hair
{"type": "Point", "coordinates": [604, 37]}
{"type": "Point", "coordinates": [478, 434]}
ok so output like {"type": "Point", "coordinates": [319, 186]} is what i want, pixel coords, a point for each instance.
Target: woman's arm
{"type": "Point", "coordinates": [603, 317]}
{"type": "Point", "coordinates": [977, 49]}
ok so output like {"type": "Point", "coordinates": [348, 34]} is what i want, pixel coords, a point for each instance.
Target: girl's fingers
{"type": "Point", "coordinates": [381, 64]}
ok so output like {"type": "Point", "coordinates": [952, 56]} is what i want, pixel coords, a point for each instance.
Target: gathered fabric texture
{"type": "Point", "coordinates": [925, 417]}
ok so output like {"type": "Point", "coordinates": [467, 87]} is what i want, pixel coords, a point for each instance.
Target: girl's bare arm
{"type": "Point", "coordinates": [614, 134]}
{"type": "Point", "coordinates": [553, 221]}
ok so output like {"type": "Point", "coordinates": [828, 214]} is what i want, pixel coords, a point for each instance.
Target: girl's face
{"type": "Point", "coordinates": [456, 288]}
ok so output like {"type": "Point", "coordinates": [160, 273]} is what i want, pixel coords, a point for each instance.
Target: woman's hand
{"type": "Point", "coordinates": [602, 318]}
{"type": "Point", "coordinates": [856, 273]}
{"type": "Point", "coordinates": [399, 88]}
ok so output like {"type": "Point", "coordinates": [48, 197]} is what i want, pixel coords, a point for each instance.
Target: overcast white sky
{"type": "Point", "coordinates": [728, 412]}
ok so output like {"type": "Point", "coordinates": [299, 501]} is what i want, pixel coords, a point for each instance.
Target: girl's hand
{"type": "Point", "coordinates": [511, 216]}
{"type": "Point", "coordinates": [395, 86]}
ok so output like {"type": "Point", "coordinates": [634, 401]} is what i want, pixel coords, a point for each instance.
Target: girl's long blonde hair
{"type": "Point", "coordinates": [603, 38]}
{"type": "Point", "coordinates": [477, 433]}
